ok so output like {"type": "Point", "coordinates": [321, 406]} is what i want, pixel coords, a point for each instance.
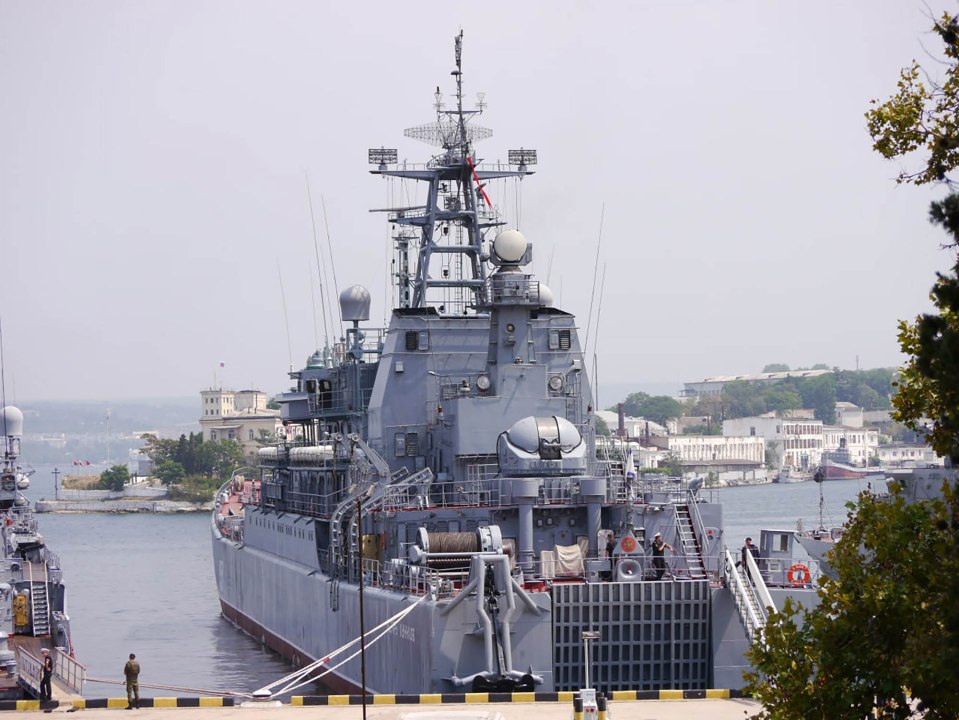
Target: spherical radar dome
{"type": "Point", "coordinates": [355, 303]}
{"type": "Point", "coordinates": [510, 246]}
{"type": "Point", "coordinates": [545, 296]}
{"type": "Point", "coordinates": [11, 422]}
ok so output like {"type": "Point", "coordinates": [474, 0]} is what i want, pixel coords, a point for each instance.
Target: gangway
{"type": "Point", "coordinates": [68, 675]}
{"type": "Point", "coordinates": [749, 592]}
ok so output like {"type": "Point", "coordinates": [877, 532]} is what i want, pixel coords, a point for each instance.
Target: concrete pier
{"type": "Point", "coordinates": [715, 709]}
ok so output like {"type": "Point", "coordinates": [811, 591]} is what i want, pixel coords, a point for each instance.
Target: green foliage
{"type": "Point", "coordinates": [601, 427]}
{"type": "Point", "coordinates": [113, 478]}
{"type": "Point", "coordinates": [672, 464]}
{"type": "Point", "coordinates": [771, 455]}
{"type": "Point", "coordinates": [889, 622]}
{"type": "Point", "coordinates": [170, 472]}
{"type": "Point", "coordinates": [216, 457]}
{"type": "Point", "coordinates": [776, 367]}
{"type": "Point", "coordinates": [658, 408]}
{"type": "Point", "coordinates": [922, 116]}
{"type": "Point", "coordinates": [819, 393]}
{"type": "Point", "coordinates": [195, 489]}
{"type": "Point", "coordinates": [869, 389]}
{"type": "Point", "coordinates": [929, 381]}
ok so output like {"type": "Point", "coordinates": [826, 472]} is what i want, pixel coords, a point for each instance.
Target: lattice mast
{"type": "Point", "coordinates": [446, 235]}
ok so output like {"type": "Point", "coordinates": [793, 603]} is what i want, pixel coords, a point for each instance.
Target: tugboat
{"type": "Point", "coordinates": [33, 612]}
{"type": "Point", "coordinates": [439, 516]}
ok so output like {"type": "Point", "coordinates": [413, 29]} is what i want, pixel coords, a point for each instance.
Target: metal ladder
{"type": "Point", "coordinates": [751, 596]}
{"type": "Point", "coordinates": [39, 603]}
{"type": "Point", "coordinates": [689, 543]}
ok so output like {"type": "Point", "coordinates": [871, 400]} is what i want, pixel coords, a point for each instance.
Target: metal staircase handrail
{"type": "Point", "coordinates": [741, 596]}
{"type": "Point", "coordinates": [699, 528]}
{"type": "Point", "coordinates": [759, 585]}
{"type": "Point", "coordinates": [70, 672]}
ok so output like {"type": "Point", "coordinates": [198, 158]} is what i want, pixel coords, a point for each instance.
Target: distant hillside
{"type": "Point", "coordinates": [166, 415]}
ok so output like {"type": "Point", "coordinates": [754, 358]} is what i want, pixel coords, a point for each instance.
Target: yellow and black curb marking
{"type": "Point", "coordinates": [334, 700]}
{"type": "Point", "coordinates": [501, 697]}
{"type": "Point", "coordinates": [117, 703]}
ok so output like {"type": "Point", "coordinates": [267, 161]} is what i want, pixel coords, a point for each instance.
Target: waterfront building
{"type": "Point", "coordinates": [908, 455]}
{"type": "Point", "coordinates": [796, 441]}
{"type": "Point", "coordinates": [733, 459]}
{"type": "Point", "coordinates": [238, 415]}
{"type": "Point", "coordinates": [713, 386]}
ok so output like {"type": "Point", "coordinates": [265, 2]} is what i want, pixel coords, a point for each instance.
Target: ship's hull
{"type": "Point", "coordinates": [674, 634]}
{"type": "Point", "coordinates": [832, 470]}
{"type": "Point", "coordinates": [289, 607]}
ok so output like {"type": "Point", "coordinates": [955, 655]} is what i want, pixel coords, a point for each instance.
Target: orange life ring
{"type": "Point", "coordinates": [799, 575]}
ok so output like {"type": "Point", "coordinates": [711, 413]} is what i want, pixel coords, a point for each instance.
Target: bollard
{"type": "Point", "coordinates": [577, 708]}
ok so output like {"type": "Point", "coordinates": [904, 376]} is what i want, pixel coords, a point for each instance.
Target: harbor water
{"type": "Point", "coordinates": [144, 583]}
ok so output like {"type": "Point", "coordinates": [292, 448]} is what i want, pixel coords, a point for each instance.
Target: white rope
{"type": "Point", "coordinates": [171, 687]}
{"type": "Point", "coordinates": [294, 677]}
{"type": "Point", "coordinates": [291, 688]}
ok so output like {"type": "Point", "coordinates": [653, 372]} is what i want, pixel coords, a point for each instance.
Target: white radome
{"type": "Point", "coordinates": [510, 246]}
{"type": "Point", "coordinates": [545, 296]}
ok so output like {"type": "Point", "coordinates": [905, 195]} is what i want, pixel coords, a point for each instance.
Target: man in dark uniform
{"type": "Point", "coordinates": [659, 548]}
{"type": "Point", "coordinates": [748, 549]}
{"type": "Point", "coordinates": [132, 672]}
{"type": "Point", "coordinates": [45, 690]}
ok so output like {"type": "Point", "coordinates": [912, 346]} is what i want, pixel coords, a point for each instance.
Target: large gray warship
{"type": "Point", "coordinates": [441, 486]}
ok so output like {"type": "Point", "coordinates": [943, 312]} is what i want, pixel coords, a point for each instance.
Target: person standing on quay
{"type": "Point", "coordinates": [47, 674]}
{"type": "Point", "coordinates": [659, 549]}
{"type": "Point", "coordinates": [132, 672]}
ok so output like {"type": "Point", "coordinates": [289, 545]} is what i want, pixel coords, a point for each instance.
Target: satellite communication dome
{"type": "Point", "coordinates": [355, 303]}
{"type": "Point", "coordinates": [11, 421]}
{"type": "Point", "coordinates": [510, 246]}
{"type": "Point", "coordinates": [545, 296]}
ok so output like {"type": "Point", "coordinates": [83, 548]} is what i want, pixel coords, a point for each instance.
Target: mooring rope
{"type": "Point", "coordinates": [156, 686]}
{"type": "Point", "coordinates": [293, 679]}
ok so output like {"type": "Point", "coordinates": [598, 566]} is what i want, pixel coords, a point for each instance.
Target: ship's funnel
{"type": "Point", "coordinates": [11, 421]}
{"type": "Point", "coordinates": [355, 303]}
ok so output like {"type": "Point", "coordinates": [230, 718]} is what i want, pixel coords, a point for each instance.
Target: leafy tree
{"type": "Point", "coordinates": [929, 383]}
{"type": "Point", "coordinates": [819, 393]}
{"type": "Point", "coordinates": [601, 427]}
{"type": "Point", "coordinates": [658, 408]}
{"type": "Point", "coordinates": [195, 488]}
{"type": "Point", "coordinates": [170, 472]}
{"type": "Point", "coordinates": [113, 478]}
{"type": "Point", "coordinates": [743, 400]}
{"type": "Point", "coordinates": [771, 455]}
{"type": "Point", "coordinates": [922, 114]}
{"type": "Point", "coordinates": [888, 622]}
{"type": "Point", "coordinates": [776, 367]}
{"type": "Point", "coordinates": [673, 464]}
{"type": "Point", "coordinates": [219, 458]}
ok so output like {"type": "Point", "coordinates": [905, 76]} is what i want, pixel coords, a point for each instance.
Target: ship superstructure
{"type": "Point", "coordinates": [441, 478]}
{"type": "Point", "coordinates": [32, 592]}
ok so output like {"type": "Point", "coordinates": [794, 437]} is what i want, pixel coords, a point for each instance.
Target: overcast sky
{"type": "Point", "coordinates": [154, 155]}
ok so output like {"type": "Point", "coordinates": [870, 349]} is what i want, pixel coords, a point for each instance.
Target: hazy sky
{"type": "Point", "coordinates": [153, 158]}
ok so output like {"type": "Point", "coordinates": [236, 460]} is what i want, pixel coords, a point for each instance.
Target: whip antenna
{"type": "Point", "coordinates": [319, 269]}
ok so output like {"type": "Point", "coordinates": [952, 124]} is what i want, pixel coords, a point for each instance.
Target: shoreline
{"type": "Point", "coordinates": [121, 506]}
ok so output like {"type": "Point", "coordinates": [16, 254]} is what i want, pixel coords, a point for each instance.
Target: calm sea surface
{"type": "Point", "coordinates": [144, 584]}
